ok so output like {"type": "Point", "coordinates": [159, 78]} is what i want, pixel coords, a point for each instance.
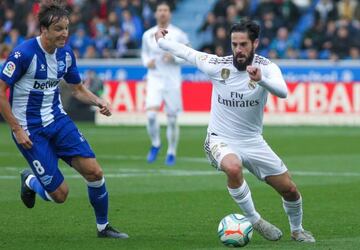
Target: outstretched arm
{"type": "Point", "coordinates": [84, 95]}
{"type": "Point", "coordinates": [20, 135]}
{"type": "Point", "coordinates": [175, 48]}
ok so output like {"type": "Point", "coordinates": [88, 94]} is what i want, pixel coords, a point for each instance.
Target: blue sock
{"type": "Point", "coordinates": [99, 199]}
{"type": "Point", "coordinates": [35, 185]}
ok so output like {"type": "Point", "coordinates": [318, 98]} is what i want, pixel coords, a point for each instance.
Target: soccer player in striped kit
{"type": "Point", "coordinates": [41, 128]}
{"type": "Point", "coordinates": [163, 84]}
{"type": "Point", "coordinates": [241, 83]}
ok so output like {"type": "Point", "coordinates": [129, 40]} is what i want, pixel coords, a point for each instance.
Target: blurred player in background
{"type": "Point", "coordinates": [163, 84]}
{"type": "Point", "coordinates": [40, 127]}
{"type": "Point", "coordinates": [241, 83]}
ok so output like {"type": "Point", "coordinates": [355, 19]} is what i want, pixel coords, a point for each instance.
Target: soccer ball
{"type": "Point", "coordinates": [235, 230]}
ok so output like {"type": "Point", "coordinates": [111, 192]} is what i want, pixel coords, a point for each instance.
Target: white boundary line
{"type": "Point", "coordinates": [127, 173]}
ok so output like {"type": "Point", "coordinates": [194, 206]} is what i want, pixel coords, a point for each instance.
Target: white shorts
{"type": "Point", "coordinates": [156, 95]}
{"type": "Point", "coordinates": [255, 155]}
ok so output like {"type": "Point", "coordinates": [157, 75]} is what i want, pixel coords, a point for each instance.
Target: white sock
{"type": "Point", "coordinates": [242, 197]}
{"type": "Point", "coordinates": [294, 211]}
{"type": "Point", "coordinates": [101, 227]}
{"type": "Point", "coordinates": [172, 133]}
{"type": "Point", "coordinates": [153, 128]}
{"type": "Point", "coordinates": [27, 181]}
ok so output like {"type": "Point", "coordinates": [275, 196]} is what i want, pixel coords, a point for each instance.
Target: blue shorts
{"type": "Point", "coordinates": [60, 139]}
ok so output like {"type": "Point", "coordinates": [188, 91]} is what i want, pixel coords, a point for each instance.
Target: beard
{"type": "Point", "coordinates": [242, 66]}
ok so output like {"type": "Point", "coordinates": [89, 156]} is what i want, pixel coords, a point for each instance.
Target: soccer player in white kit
{"type": "Point", "coordinates": [163, 84]}
{"type": "Point", "coordinates": [241, 83]}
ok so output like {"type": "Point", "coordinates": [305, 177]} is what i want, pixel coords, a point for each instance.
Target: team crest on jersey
{"type": "Point", "coordinates": [61, 66]}
{"type": "Point", "coordinates": [225, 73]}
{"type": "Point", "coordinates": [252, 84]}
{"type": "Point", "coordinates": [9, 69]}
{"type": "Point", "coordinates": [42, 67]}
{"type": "Point", "coordinates": [17, 54]}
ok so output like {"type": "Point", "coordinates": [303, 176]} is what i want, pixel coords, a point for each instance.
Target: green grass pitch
{"type": "Point", "coordinates": [180, 207]}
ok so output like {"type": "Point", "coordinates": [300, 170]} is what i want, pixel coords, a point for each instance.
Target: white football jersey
{"type": "Point", "coordinates": [237, 106]}
{"type": "Point", "coordinates": [166, 74]}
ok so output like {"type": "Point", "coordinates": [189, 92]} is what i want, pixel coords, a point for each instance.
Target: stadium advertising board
{"type": "Point", "coordinates": [319, 93]}
{"type": "Point", "coordinates": [307, 103]}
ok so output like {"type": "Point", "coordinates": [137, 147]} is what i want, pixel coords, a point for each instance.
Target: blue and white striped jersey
{"type": "Point", "coordinates": [34, 76]}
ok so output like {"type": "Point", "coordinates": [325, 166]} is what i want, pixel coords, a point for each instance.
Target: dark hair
{"type": "Point", "coordinates": [163, 2]}
{"type": "Point", "coordinates": [52, 13]}
{"type": "Point", "coordinates": [249, 26]}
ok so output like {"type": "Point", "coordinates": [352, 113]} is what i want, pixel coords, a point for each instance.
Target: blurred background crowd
{"type": "Point", "coordinates": [291, 29]}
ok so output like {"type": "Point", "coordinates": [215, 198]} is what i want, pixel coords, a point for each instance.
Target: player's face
{"type": "Point", "coordinates": [57, 33]}
{"type": "Point", "coordinates": [243, 49]}
{"type": "Point", "coordinates": [163, 14]}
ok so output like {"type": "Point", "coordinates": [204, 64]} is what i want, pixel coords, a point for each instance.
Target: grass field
{"type": "Point", "coordinates": [180, 207]}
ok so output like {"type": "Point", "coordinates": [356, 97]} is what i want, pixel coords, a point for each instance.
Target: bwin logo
{"type": "Point", "coordinates": [46, 85]}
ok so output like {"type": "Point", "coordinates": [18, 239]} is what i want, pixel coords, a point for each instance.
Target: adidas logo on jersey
{"type": "Point", "coordinates": [46, 85]}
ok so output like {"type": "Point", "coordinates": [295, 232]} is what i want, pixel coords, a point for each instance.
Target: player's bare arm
{"type": "Point", "coordinates": [84, 95]}
{"type": "Point", "coordinates": [21, 137]}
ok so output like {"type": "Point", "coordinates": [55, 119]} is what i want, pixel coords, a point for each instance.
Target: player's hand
{"type": "Point", "coordinates": [168, 58]}
{"type": "Point", "coordinates": [151, 64]}
{"type": "Point", "coordinates": [104, 108]}
{"type": "Point", "coordinates": [22, 138]}
{"type": "Point", "coordinates": [254, 73]}
{"type": "Point", "coordinates": [160, 34]}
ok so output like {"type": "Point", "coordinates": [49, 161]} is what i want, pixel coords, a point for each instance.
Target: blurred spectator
{"type": "Point", "coordinates": [220, 7]}
{"type": "Point", "coordinates": [80, 40]}
{"type": "Point", "coordinates": [269, 26]}
{"type": "Point", "coordinates": [314, 37]}
{"type": "Point", "coordinates": [93, 83]}
{"type": "Point", "coordinates": [325, 10]}
{"type": "Point", "coordinates": [14, 38]}
{"type": "Point", "coordinates": [4, 51]}
{"type": "Point", "coordinates": [290, 13]}
{"type": "Point", "coordinates": [302, 5]}
{"type": "Point", "coordinates": [346, 8]}
{"type": "Point", "coordinates": [207, 29]}
{"type": "Point", "coordinates": [340, 44]}
{"type": "Point", "coordinates": [354, 53]}
{"type": "Point", "coordinates": [221, 41]}
{"type": "Point", "coordinates": [91, 52]}
{"type": "Point", "coordinates": [113, 28]}
{"type": "Point", "coordinates": [282, 42]}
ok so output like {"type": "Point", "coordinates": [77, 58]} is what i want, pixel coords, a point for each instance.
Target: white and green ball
{"type": "Point", "coordinates": [235, 230]}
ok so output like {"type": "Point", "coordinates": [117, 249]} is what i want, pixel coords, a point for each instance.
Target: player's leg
{"type": "Point", "coordinates": [222, 157]}
{"type": "Point", "coordinates": [73, 148]}
{"type": "Point", "coordinates": [45, 179]}
{"type": "Point", "coordinates": [292, 203]}
{"type": "Point", "coordinates": [232, 165]}
{"type": "Point", "coordinates": [270, 168]}
{"type": "Point", "coordinates": [238, 187]}
{"type": "Point", "coordinates": [172, 134]}
{"type": "Point", "coordinates": [98, 195]}
{"type": "Point", "coordinates": [173, 106]}
{"type": "Point", "coordinates": [152, 103]}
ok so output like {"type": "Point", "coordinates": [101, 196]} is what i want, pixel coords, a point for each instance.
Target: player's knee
{"type": "Point", "coordinates": [95, 175]}
{"type": "Point", "coordinates": [60, 195]}
{"type": "Point", "coordinates": [291, 193]}
{"type": "Point", "coordinates": [234, 169]}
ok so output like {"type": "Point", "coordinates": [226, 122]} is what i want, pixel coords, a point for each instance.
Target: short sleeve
{"type": "Point", "coordinates": [14, 67]}
{"type": "Point", "coordinates": [72, 75]}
